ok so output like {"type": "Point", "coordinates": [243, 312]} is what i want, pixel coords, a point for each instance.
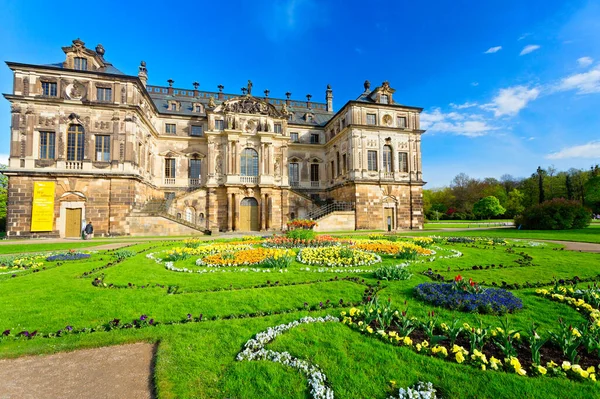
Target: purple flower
{"type": "Point", "coordinates": [6, 333]}
{"type": "Point", "coordinates": [151, 322]}
{"type": "Point", "coordinates": [69, 328]}
{"type": "Point", "coordinates": [200, 318]}
{"type": "Point", "coordinates": [189, 316]}
{"type": "Point", "coordinates": [143, 317]}
{"type": "Point", "coordinates": [341, 301]}
{"type": "Point", "coordinates": [321, 304]}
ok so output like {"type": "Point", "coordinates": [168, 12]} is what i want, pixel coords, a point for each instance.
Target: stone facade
{"type": "Point", "coordinates": [226, 162]}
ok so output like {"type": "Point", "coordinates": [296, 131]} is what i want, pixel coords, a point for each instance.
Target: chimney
{"type": "Point", "coordinates": [308, 97]}
{"type": "Point", "coordinates": [143, 73]}
{"type": "Point", "coordinates": [196, 85]}
{"type": "Point", "coordinates": [267, 95]}
{"type": "Point", "coordinates": [329, 98]}
{"type": "Point", "coordinates": [220, 87]}
{"type": "Point", "coordinates": [170, 81]}
{"type": "Point", "coordinates": [287, 98]}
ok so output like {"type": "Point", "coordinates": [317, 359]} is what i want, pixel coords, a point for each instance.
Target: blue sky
{"type": "Point", "coordinates": [506, 85]}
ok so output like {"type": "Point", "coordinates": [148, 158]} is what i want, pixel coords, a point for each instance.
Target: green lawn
{"type": "Point", "coordinates": [197, 360]}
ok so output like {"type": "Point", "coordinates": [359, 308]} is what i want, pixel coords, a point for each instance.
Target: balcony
{"type": "Point", "coordinates": [249, 179]}
{"type": "Point", "coordinates": [387, 175]}
{"type": "Point", "coordinates": [315, 184]}
{"type": "Point", "coordinates": [74, 165]}
{"type": "Point", "coordinates": [295, 183]}
{"type": "Point", "coordinates": [169, 181]}
{"type": "Point", "coordinates": [195, 182]}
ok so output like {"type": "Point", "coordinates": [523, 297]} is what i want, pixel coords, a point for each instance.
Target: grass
{"type": "Point", "coordinates": [23, 247]}
{"type": "Point", "coordinates": [197, 360]}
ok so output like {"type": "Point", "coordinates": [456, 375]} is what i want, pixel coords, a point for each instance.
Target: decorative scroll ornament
{"type": "Point", "coordinates": [250, 105]}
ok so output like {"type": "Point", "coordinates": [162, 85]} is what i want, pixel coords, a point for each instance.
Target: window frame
{"type": "Point", "coordinates": [170, 128]}
{"type": "Point", "coordinates": [403, 162]}
{"type": "Point", "coordinates": [75, 143]}
{"type": "Point", "coordinates": [47, 145]}
{"type": "Point", "coordinates": [52, 89]}
{"type": "Point", "coordinates": [80, 63]}
{"type": "Point", "coordinates": [372, 161]}
{"type": "Point", "coordinates": [374, 119]}
{"type": "Point", "coordinates": [404, 124]}
{"type": "Point", "coordinates": [219, 125]}
{"type": "Point", "coordinates": [314, 138]}
{"type": "Point", "coordinates": [170, 168]}
{"type": "Point", "coordinates": [296, 166]}
{"type": "Point", "coordinates": [191, 168]}
{"type": "Point", "coordinates": [294, 137]}
{"type": "Point", "coordinates": [249, 162]}
{"type": "Point", "coordinates": [387, 158]}
{"type": "Point", "coordinates": [314, 167]}
{"type": "Point", "coordinates": [101, 94]}
{"type": "Point", "coordinates": [387, 99]}
{"type": "Point", "coordinates": [197, 127]}
{"type": "Point", "coordinates": [102, 153]}
{"type": "Point", "coordinates": [278, 128]}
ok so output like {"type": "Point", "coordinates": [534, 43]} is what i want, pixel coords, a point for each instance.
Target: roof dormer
{"type": "Point", "coordinates": [83, 59]}
{"type": "Point", "coordinates": [383, 94]}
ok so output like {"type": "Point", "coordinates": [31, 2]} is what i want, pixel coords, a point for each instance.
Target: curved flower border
{"type": "Point", "coordinates": [254, 349]}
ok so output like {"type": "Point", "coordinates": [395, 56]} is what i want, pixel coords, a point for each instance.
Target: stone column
{"type": "Point", "coordinates": [236, 212]}
{"type": "Point", "coordinates": [262, 211]}
{"type": "Point", "coordinates": [230, 200]}
{"type": "Point", "coordinates": [261, 155]}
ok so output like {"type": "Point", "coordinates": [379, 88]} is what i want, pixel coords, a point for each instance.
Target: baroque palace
{"type": "Point", "coordinates": [92, 144]}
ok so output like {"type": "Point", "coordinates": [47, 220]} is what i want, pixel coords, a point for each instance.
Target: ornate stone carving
{"type": "Point", "coordinates": [76, 90]}
{"type": "Point", "coordinates": [250, 87]}
{"type": "Point", "coordinates": [277, 167]}
{"type": "Point", "coordinates": [218, 165]}
{"type": "Point", "coordinates": [211, 102]}
{"type": "Point", "coordinates": [26, 86]}
{"type": "Point", "coordinates": [250, 105]}
{"type": "Point", "coordinates": [123, 95]}
{"type": "Point", "coordinates": [15, 109]}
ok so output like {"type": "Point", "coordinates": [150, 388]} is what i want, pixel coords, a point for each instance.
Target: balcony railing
{"type": "Point", "coordinates": [315, 184]}
{"type": "Point", "coordinates": [74, 165]}
{"type": "Point", "coordinates": [295, 183]}
{"type": "Point", "coordinates": [388, 175]}
{"type": "Point", "coordinates": [195, 182]}
{"type": "Point", "coordinates": [169, 181]}
{"type": "Point", "coordinates": [249, 179]}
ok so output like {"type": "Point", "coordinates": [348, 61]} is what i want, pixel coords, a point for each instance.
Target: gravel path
{"type": "Point", "coordinates": [577, 246]}
{"type": "Point", "coordinates": [117, 372]}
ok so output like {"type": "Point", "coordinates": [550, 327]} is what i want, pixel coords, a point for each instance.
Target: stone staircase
{"type": "Point", "coordinates": [164, 208]}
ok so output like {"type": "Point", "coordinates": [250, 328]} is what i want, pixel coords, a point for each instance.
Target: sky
{"type": "Point", "coordinates": [506, 86]}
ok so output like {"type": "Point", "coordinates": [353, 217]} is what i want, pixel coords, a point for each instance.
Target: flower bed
{"type": "Point", "coordinates": [180, 253]}
{"type": "Point", "coordinates": [19, 262]}
{"type": "Point", "coordinates": [287, 242]}
{"type": "Point", "coordinates": [400, 249]}
{"type": "Point", "coordinates": [67, 256]}
{"type": "Point", "coordinates": [337, 257]}
{"type": "Point", "coordinates": [301, 224]}
{"type": "Point", "coordinates": [246, 257]}
{"type": "Point", "coordinates": [490, 300]}
{"type": "Point", "coordinates": [484, 347]}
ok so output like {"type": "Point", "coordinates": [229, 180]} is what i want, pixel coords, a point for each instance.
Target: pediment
{"type": "Point", "coordinates": [249, 105]}
{"type": "Point", "coordinates": [73, 196]}
{"type": "Point", "coordinates": [170, 154]}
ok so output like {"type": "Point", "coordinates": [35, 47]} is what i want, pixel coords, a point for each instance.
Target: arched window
{"type": "Point", "coordinates": [75, 143]}
{"type": "Point", "coordinates": [249, 162]}
{"type": "Point", "coordinates": [387, 159]}
{"type": "Point", "coordinates": [189, 215]}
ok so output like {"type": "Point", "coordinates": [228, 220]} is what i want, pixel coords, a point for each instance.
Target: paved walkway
{"type": "Point", "coordinates": [577, 246]}
{"type": "Point", "coordinates": [111, 372]}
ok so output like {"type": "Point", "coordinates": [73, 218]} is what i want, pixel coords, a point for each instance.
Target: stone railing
{"type": "Point", "coordinates": [249, 179]}
{"type": "Point", "coordinates": [169, 181]}
{"type": "Point", "coordinates": [195, 182]}
{"type": "Point", "coordinates": [73, 165]}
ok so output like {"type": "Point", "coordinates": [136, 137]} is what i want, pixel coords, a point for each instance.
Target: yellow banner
{"type": "Point", "coordinates": [42, 210]}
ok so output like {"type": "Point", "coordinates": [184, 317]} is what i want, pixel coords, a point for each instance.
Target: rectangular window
{"type": "Point", "coordinates": [47, 140]}
{"type": "Point", "coordinates": [219, 124]}
{"type": "Point", "coordinates": [103, 94]}
{"type": "Point", "coordinates": [294, 172]}
{"type": "Point", "coordinates": [294, 137]}
{"type": "Point", "coordinates": [314, 138]}
{"type": "Point", "coordinates": [49, 89]}
{"type": "Point", "coordinates": [196, 131]}
{"type": "Point", "coordinates": [173, 107]}
{"type": "Point", "coordinates": [402, 122]}
{"type": "Point", "coordinates": [195, 168]}
{"type": "Point", "coordinates": [403, 162]}
{"type": "Point", "coordinates": [332, 173]}
{"type": "Point", "coordinates": [197, 108]}
{"type": "Point", "coordinates": [372, 160]}
{"type": "Point", "coordinates": [277, 128]}
{"type": "Point", "coordinates": [371, 119]}
{"type": "Point", "coordinates": [80, 64]}
{"type": "Point", "coordinates": [170, 128]}
{"type": "Point", "coordinates": [314, 172]}
{"type": "Point", "coordinates": [103, 148]}
{"type": "Point", "coordinates": [384, 99]}
{"type": "Point", "coordinates": [170, 168]}
{"type": "Point", "coordinates": [75, 146]}
{"type": "Point", "coordinates": [387, 159]}
{"type": "Point", "coordinates": [344, 165]}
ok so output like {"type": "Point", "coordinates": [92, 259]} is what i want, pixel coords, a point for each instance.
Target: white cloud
{"type": "Point", "coordinates": [469, 125]}
{"type": "Point", "coordinates": [584, 83]}
{"type": "Point", "coordinates": [585, 61]}
{"type": "Point", "coordinates": [511, 100]}
{"type": "Point", "coordinates": [523, 36]}
{"type": "Point", "coordinates": [475, 84]}
{"type": "Point", "coordinates": [493, 50]}
{"type": "Point", "coordinates": [463, 105]}
{"type": "Point", "coordinates": [530, 48]}
{"type": "Point", "coordinates": [3, 159]}
{"type": "Point", "coordinates": [589, 150]}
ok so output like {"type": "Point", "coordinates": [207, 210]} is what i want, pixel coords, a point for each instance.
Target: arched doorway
{"type": "Point", "coordinates": [249, 214]}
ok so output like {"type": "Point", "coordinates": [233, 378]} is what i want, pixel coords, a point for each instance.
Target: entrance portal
{"type": "Point", "coordinates": [73, 222]}
{"type": "Point", "coordinates": [249, 215]}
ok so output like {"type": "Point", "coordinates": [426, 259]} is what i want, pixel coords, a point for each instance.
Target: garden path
{"type": "Point", "coordinates": [577, 246]}
{"type": "Point", "coordinates": [123, 371]}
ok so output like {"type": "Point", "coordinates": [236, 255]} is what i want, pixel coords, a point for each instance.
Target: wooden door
{"type": "Point", "coordinates": [249, 215]}
{"type": "Point", "coordinates": [388, 219]}
{"type": "Point", "coordinates": [73, 222]}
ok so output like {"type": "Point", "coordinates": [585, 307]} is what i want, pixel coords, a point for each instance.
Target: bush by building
{"type": "Point", "coordinates": [556, 214]}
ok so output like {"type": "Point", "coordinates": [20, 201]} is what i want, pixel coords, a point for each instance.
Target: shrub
{"type": "Point", "coordinates": [67, 256]}
{"type": "Point", "coordinates": [389, 272]}
{"type": "Point", "coordinates": [301, 234]}
{"type": "Point", "coordinates": [556, 214]}
{"type": "Point", "coordinates": [491, 300]}
{"type": "Point", "coordinates": [301, 224]}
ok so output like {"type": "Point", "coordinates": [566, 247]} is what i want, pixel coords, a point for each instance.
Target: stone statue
{"type": "Point", "coordinates": [277, 167]}
{"type": "Point", "coordinates": [218, 168]}
{"type": "Point", "coordinates": [249, 87]}
{"type": "Point", "coordinates": [211, 102]}
{"type": "Point", "coordinates": [284, 109]}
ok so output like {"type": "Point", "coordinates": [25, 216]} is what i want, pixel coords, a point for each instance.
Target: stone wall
{"type": "Point", "coordinates": [142, 225]}
{"type": "Point", "coordinates": [337, 221]}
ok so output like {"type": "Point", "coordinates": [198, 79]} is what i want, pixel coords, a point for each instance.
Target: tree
{"type": "Point", "coordinates": [488, 207]}
{"type": "Point", "coordinates": [514, 204]}
{"type": "Point", "coordinates": [592, 193]}
{"type": "Point", "coordinates": [540, 173]}
{"type": "Point", "coordinates": [569, 185]}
